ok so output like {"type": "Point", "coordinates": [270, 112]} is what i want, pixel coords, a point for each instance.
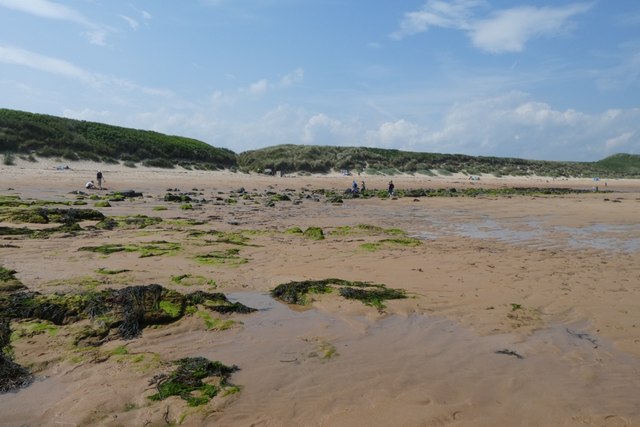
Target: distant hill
{"type": "Point", "coordinates": [289, 158]}
{"type": "Point", "coordinates": [51, 136]}
{"type": "Point", "coordinates": [28, 135]}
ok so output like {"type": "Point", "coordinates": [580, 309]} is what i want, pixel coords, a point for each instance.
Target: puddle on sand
{"type": "Point", "coordinates": [312, 367]}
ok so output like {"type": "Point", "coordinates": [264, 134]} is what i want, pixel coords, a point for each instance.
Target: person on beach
{"type": "Point", "coordinates": [100, 179]}
{"type": "Point", "coordinates": [354, 187]}
{"type": "Point", "coordinates": [391, 188]}
{"type": "Point", "coordinates": [362, 187]}
{"type": "Point", "coordinates": [89, 184]}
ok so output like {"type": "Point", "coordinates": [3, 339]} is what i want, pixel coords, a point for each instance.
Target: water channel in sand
{"type": "Point", "coordinates": [312, 367]}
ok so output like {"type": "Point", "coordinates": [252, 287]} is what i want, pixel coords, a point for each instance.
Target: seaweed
{"type": "Point", "coordinates": [370, 294]}
{"type": "Point", "coordinates": [12, 375]}
{"type": "Point", "coordinates": [314, 233]}
{"type": "Point", "coordinates": [8, 281]}
{"type": "Point", "coordinates": [128, 222]}
{"type": "Point", "coordinates": [154, 248]}
{"type": "Point", "coordinates": [127, 310]}
{"type": "Point", "coordinates": [187, 380]}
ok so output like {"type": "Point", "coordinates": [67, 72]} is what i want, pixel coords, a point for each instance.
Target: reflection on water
{"type": "Point", "coordinates": [280, 352]}
{"type": "Point", "coordinates": [537, 233]}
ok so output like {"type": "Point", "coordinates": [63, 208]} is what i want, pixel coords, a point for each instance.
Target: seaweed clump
{"type": "Point", "coordinates": [370, 294]}
{"type": "Point", "coordinates": [12, 375]}
{"type": "Point", "coordinates": [187, 380]}
{"type": "Point", "coordinates": [125, 311]}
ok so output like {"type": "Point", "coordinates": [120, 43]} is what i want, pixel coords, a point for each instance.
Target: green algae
{"type": "Point", "coordinates": [109, 272]}
{"type": "Point", "coordinates": [294, 230]}
{"type": "Point", "coordinates": [154, 248]}
{"type": "Point", "coordinates": [387, 243]}
{"type": "Point", "coordinates": [191, 280]}
{"type": "Point", "coordinates": [187, 380]}
{"type": "Point", "coordinates": [215, 324]}
{"type": "Point", "coordinates": [8, 280]}
{"type": "Point", "coordinates": [367, 229]}
{"type": "Point", "coordinates": [46, 215]}
{"type": "Point", "coordinates": [128, 222]}
{"type": "Point", "coordinates": [369, 294]}
{"type": "Point", "coordinates": [12, 375]}
{"type": "Point", "coordinates": [314, 233]}
{"type": "Point", "coordinates": [229, 257]}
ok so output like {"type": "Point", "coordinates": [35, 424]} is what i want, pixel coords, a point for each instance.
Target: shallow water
{"type": "Point", "coordinates": [312, 367]}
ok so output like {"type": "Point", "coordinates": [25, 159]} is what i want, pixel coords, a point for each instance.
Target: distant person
{"type": "Point", "coordinates": [100, 179]}
{"type": "Point", "coordinates": [391, 188]}
{"type": "Point", "coordinates": [363, 187]}
{"type": "Point", "coordinates": [90, 184]}
{"type": "Point", "coordinates": [354, 187]}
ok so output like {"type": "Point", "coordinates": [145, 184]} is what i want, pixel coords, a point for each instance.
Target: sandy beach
{"type": "Point", "coordinates": [521, 309]}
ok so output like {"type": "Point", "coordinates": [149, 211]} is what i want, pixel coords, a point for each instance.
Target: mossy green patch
{"type": "Point", "coordinates": [154, 248]}
{"type": "Point", "coordinates": [368, 293]}
{"type": "Point", "coordinates": [191, 280]}
{"type": "Point", "coordinates": [314, 233]}
{"type": "Point", "coordinates": [128, 222]}
{"type": "Point", "coordinates": [172, 309]}
{"type": "Point", "coordinates": [109, 272]}
{"type": "Point", "coordinates": [212, 323]}
{"type": "Point", "coordinates": [30, 328]}
{"type": "Point", "coordinates": [187, 380]}
{"type": "Point", "coordinates": [229, 257]}
{"type": "Point", "coordinates": [294, 230]}
{"type": "Point", "coordinates": [390, 243]}
{"type": "Point", "coordinates": [102, 204]}
{"type": "Point", "coordinates": [8, 280]}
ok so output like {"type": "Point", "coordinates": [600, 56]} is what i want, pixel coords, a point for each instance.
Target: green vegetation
{"type": "Point", "coordinates": [28, 135]}
{"type": "Point", "coordinates": [314, 233]}
{"type": "Point", "coordinates": [400, 241]}
{"type": "Point", "coordinates": [190, 280]}
{"type": "Point", "coordinates": [50, 136]}
{"type": "Point", "coordinates": [227, 257]}
{"type": "Point", "coordinates": [367, 229]}
{"type": "Point", "coordinates": [368, 293]}
{"type": "Point", "coordinates": [128, 222]}
{"type": "Point", "coordinates": [323, 159]}
{"type": "Point", "coordinates": [187, 380]}
{"type": "Point", "coordinates": [155, 248]}
{"type": "Point", "coordinates": [126, 310]}
{"type": "Point", "coordinates": [8, 280]}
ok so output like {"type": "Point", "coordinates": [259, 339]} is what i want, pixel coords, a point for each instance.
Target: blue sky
{"type": "Point", "coordinates": [548, 80]}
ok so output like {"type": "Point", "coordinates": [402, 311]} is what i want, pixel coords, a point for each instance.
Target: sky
{"type": "Point", "coordinates": [532, 79]}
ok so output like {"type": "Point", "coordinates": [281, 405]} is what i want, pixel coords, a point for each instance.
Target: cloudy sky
{"type": "Point", "coordinates": [536, 79]}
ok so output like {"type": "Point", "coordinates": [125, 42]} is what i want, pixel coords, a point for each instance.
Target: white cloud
{"type": "Point", "coordinates": [132, 22]}
{"type": "Point", "coordinates": [435, 13]}
{"type": "Point", "coordinates": [400, 134]}
{"type": "Point", "coordinates": [259, 87]}
{"type": "Point", "coordinates": [294, 77]}
{"type": "Point", "coordinates": [512, 125]}
{"type": "Point", "coordinates": [17, 56]}
{"type": "Point", "coordinates": [320, 129]}
{"type": "Point", "coordinates": [619, 141]}
{"type": "Point", "coordinates": [506, 30]}
{"type": "Point", "coordinates": [96, 33]}
{"type": "Point", "coordinates": [509, 30]}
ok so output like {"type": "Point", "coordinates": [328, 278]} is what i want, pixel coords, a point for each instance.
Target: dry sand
{"type": "Point", "coordinates": [553, 279]}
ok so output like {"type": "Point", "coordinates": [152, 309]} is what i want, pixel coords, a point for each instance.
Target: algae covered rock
{"type": "Point", "coordinates": [12, 375]}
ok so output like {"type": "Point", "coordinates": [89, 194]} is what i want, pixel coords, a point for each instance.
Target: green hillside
{"type": "Point", "coordinates": [289, 158]}
{"type": "Point", "coordinates": [30, 135]}
{"type": "Point", "coordinates": [50, 136]}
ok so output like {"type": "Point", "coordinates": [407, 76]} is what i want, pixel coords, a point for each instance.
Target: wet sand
{"type": "Point", "coordinates": [522, 309]}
